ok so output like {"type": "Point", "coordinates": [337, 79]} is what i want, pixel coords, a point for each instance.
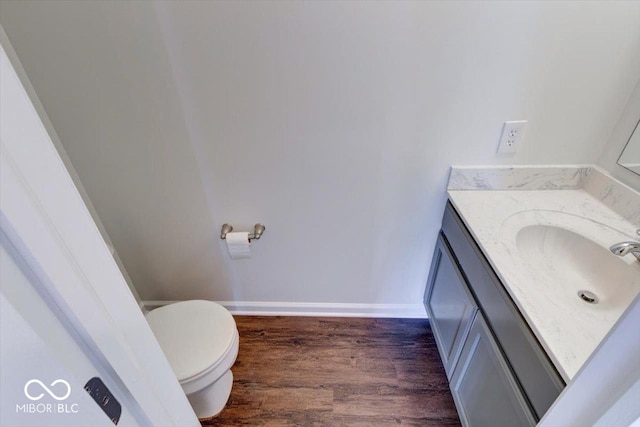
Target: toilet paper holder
{"type": "Point", "coordinates": [258, 229]}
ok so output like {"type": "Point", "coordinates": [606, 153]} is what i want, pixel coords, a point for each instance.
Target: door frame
{"type": "Point", "coordinates": [41, 207]}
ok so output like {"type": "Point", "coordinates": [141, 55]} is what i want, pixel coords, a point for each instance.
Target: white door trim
{"type": "Point", "coordinates": [40, 203]}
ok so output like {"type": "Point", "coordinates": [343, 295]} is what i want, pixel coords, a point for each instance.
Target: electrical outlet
{"type": "Point", "coordinates": [512, 134]}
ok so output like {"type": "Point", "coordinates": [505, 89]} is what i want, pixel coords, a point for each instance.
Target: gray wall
{"type": "Point", "coordinates": [334, 123]}
{"type": "Point", "coordinates": [618, 140]}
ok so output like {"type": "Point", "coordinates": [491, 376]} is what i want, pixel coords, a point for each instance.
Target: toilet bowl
{"type": "Point", "coordinates": [200, 340]}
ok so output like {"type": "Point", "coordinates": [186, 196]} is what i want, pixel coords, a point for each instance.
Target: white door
{"type": "Point", "coordinates": [44, 362]}
{"type": "Point", "coordinates": [84, 321]}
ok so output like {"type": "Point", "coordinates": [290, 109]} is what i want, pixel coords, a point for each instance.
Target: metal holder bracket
{"type": "Point", "coordinates": [258, 229]}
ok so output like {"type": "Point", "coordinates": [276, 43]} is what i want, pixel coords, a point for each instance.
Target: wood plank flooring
{"type": "Point", "coordinates": [303, 371]}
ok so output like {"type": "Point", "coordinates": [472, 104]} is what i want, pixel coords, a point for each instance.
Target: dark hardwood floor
{"type": "Point", "coordinates": [307, 371]}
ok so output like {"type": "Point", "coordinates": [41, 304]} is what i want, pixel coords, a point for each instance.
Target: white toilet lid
{"type": "Point", "coordinates": [193, 334]}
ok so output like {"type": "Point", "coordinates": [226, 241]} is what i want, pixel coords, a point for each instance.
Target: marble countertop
{"type": "Point", "coordinates": [494, 208]}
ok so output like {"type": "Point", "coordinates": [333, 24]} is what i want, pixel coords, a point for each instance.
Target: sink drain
{"type": "Point", "coordinates": [587, 296]}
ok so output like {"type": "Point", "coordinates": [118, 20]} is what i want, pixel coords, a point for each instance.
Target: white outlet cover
{"type": "Point", "coordinates": [512, 135]}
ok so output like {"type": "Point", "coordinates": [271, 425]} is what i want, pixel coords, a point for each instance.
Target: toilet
{"type": "Point", "coordinates": [200, 340]}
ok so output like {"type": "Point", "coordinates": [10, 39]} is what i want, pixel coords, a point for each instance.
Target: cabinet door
{"type": "Point", "coordinates": [529, 363]}
{"type": "Point", "coordinates": [483, 387]}
{"type": "Point", "coordinates": [449, 305]}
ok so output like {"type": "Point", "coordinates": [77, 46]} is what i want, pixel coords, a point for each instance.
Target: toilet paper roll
{"type": "Point", "coordinates": [238, 245]}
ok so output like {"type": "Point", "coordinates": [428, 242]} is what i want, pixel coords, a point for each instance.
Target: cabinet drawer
{"type": "Point", "coordinates": [534, 371]}
{"type": "Point", "coordinates": [449, 304]}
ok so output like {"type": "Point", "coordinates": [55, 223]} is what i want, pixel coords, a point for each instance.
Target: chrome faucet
{"type": "Point", "coordinates": [623, 248]}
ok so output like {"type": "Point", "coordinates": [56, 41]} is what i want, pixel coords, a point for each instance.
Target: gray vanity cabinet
{"type": "Point", "coordinates": [498, 373]}
{"type": "Point", "coordinates": [449, 304]}
{"type": "Point", "coordinates": [485, 392]}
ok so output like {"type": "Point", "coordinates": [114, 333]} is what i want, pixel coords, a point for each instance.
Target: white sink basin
{"type": "Point", "coordinates": [566, 254]}
{"type": "Point", "coordinates": [569, 264]}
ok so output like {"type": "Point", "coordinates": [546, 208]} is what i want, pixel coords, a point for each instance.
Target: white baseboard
{"type": "Point", "coordinates": [253, 308]}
